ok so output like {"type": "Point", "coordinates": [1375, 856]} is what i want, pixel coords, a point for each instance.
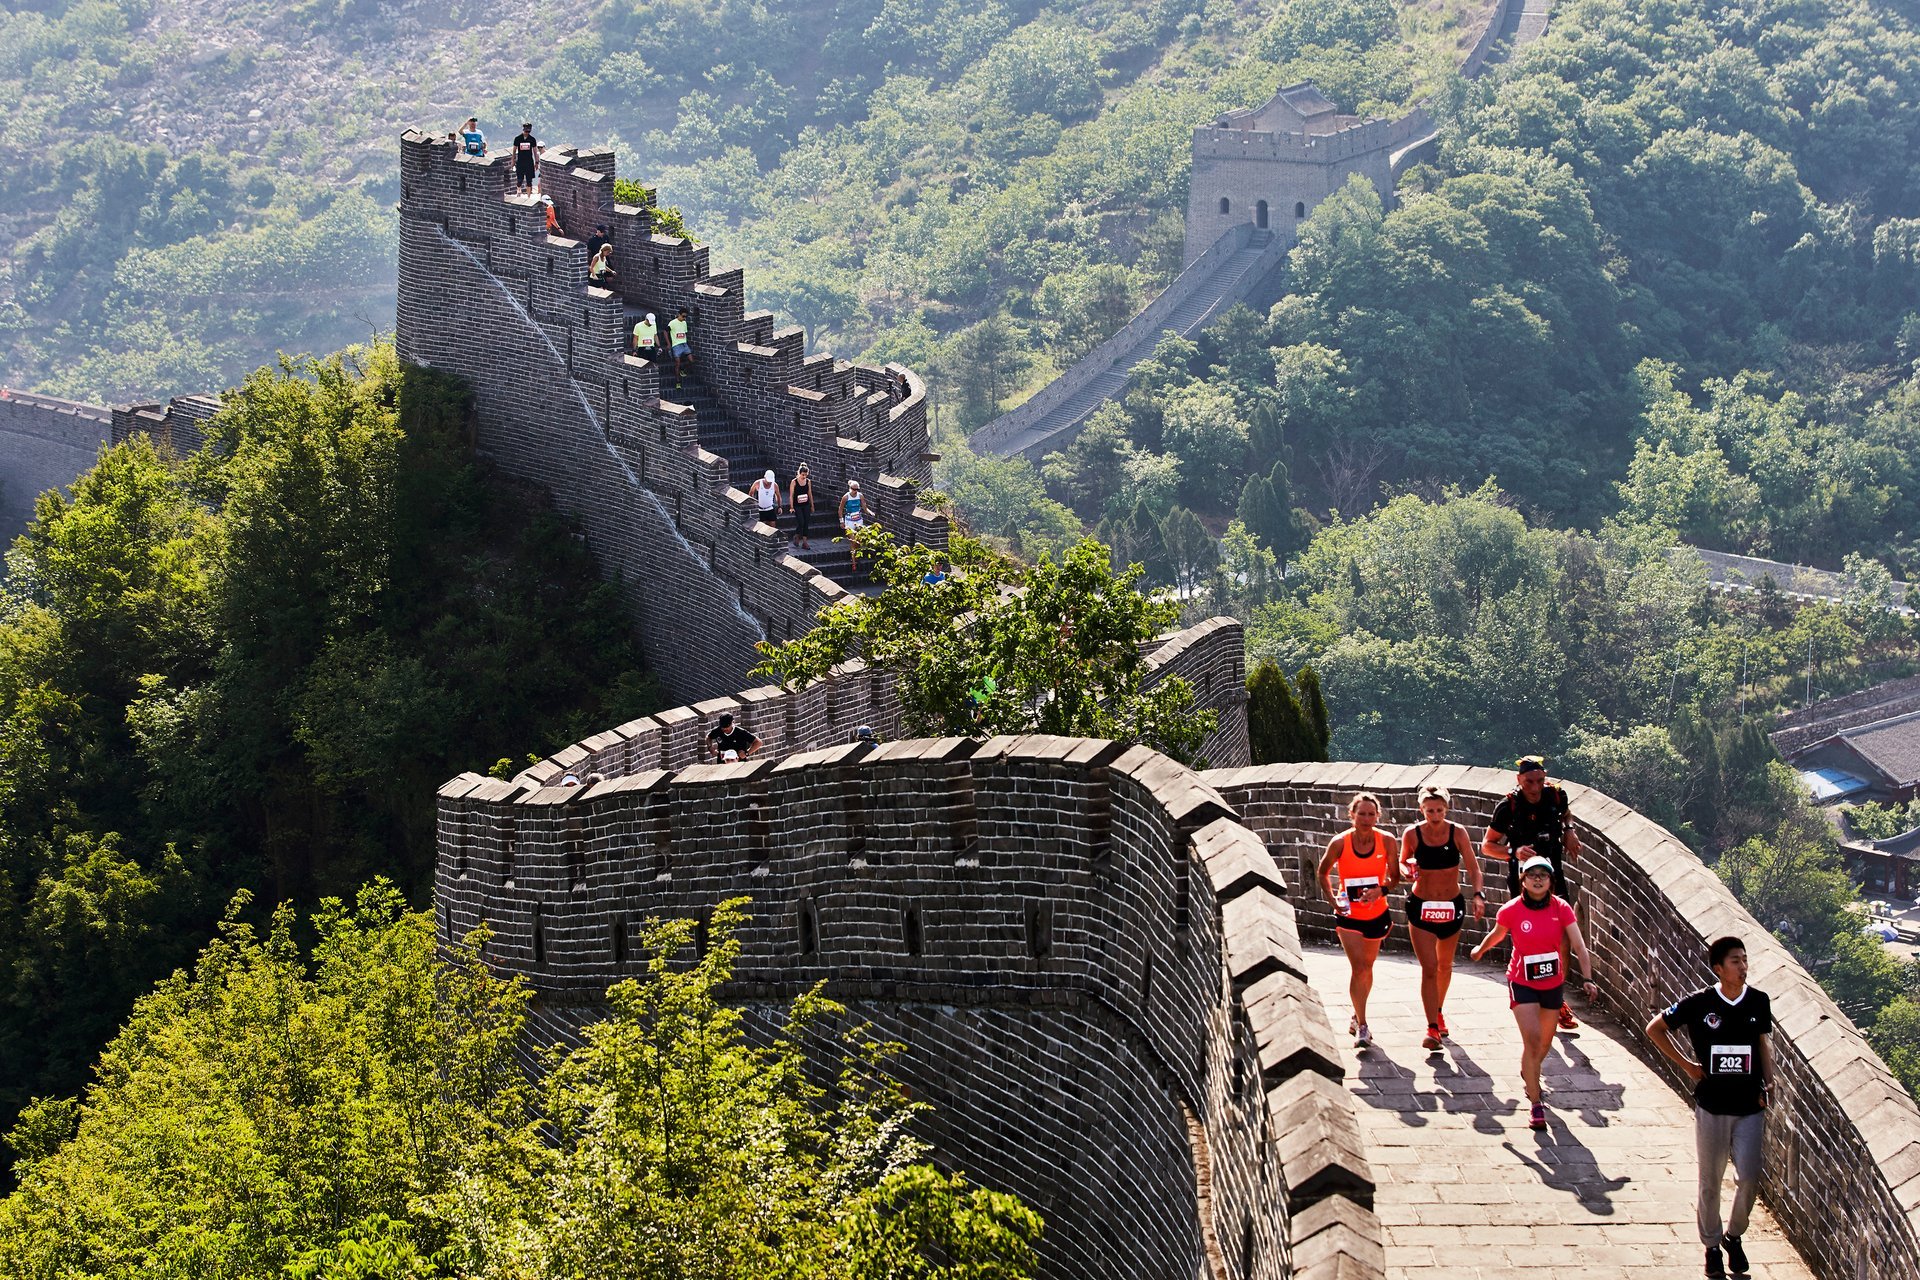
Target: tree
{"type": "Point", "coordinates": [679, 1149]}
{"type": "Point", "coordinates": [362, 1114]}
{"type": "Point", "coordinates": [1191, 552]}
{"type": "Point", "coordinates": [1277, 728]}
{"type": "Point", "coordinates": [1007, 648]}
{"type": "Point", "coordinates": [1794, 884]}
{"type": "Point", "coordinates": [991, 357]}
{"type": "Point", "coordinates": [261, 1105]}
{"type": "Point", "coordinates": [1314, 707]}
{"type": "Point", "coordinates": [1266, 508]}
{"type": "Point", "coordinates": [1202, 426]}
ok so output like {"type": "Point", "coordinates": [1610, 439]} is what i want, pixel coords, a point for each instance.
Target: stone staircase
{"type": "Point", "coordinates": [720, 434]}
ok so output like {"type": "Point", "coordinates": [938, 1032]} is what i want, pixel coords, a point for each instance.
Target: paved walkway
{"type": "Point", "coordinates": [1467, 1192]}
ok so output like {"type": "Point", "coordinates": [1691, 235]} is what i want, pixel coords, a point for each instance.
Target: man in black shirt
{"type": "Point", "coordinates": [1730, 1026]}
{"type": "Point", "coordinates": [1532, 822]}
{"type": "Point", "coordinates": [526, 159]}
{"type": "Point", "coordinates": [596, 242]}
{"type": "Point", "coordinates": [727, 738]}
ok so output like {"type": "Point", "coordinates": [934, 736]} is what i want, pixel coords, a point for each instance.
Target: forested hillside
{"type": "Point", "coordinates": [250, 671]}
{"type": "Point", "coordinates": [200, 185]}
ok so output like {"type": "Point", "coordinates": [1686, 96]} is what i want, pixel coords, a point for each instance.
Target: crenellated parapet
{"type": "Point", "coordinates": [486, 292]}
{"type": "Point", "coordinates": [1210, 656]}
{"type": "Point", "coordinates": [1093, 965]}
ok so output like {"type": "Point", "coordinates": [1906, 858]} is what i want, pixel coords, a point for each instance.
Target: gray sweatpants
{"type": "Point", "coordinates": [1718, 1138]}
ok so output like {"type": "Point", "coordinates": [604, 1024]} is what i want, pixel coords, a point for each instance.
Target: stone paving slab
{"type": "Point", "coordinates": [1467, 1192]}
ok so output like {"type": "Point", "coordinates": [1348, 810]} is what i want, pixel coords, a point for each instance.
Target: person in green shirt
{"type": "Point", "coordinates": [646, 339]}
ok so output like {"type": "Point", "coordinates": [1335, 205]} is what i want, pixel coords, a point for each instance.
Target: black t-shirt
{"type": "Point", "coordinates": [1726, 1040]}
{"type": "Point", "coordinates": [594, 245]}
{"type": "Point", "coordinates": [1541, 823]}
{"type": "Point", "coordinates": [523, 149]}
{"type": "Point", "coordinates": [734, 739]}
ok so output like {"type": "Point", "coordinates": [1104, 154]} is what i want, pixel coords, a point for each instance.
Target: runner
{"type": "Point", "coordinates": [526, 159]}
{"type": "Point", "coordinates": [646, 339]}
{"type": "Point", "coordinates": [728, 744]}
{"type": "Point", "coordinates": [1542, 925]}
{"type": "Point", "coordinates": [682, 353]}
{"type": "Point", "coordinates": [1356, 871]}
{"type": "Point", "coordinates": [765, 493]}
{"type": "Point", "coordinates": [1731, 1028]}
{"type": "Point", "coordinates": [1432, 851]}
{"type": "Point", "coordinates": [472, 141]}
{"type": "Point", "coordinates": [1532, 820]}
{"type": "Point", "coordinates": [800, 502]}
{"type": "Point", "coordinates": [853, 519]}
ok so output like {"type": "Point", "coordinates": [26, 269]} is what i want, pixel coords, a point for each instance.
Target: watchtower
{"type": "Point", "coordinates": [1272, 164]}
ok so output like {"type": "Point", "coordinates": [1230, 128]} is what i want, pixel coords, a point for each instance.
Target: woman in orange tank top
{"type": "Point", "coordinates": [1356, 872]}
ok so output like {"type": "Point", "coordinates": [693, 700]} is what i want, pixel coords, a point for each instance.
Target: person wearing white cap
{"type": "Point", "coordinates": [766, 496]}
{"type": "Point", "coordinates": [853, 518]}
{"type": "Point", "coordinates": [646, 339]}
{"type": "Point", "coordinates": [1538, 920]}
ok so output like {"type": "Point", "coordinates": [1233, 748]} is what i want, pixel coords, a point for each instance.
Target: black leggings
{"type": "Point", "coordinates": [802, 517]}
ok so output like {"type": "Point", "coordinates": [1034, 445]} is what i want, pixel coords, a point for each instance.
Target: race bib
{"type": "Point", "coordinates": [1730, 1060]}
{"type": "Point", "coordinates": [1360, 888]}
{"type": "Point", "coordinates": [1541, 967]}
{"type": "Point", "coordinates": [1437, 912]}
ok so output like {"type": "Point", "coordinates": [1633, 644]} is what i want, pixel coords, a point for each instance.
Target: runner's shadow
{"type": "Point", "coordinates": [1384, 1083]}
{"type": "Point", "coordinates": [1564, 1164]}
{"type": "Point", "coordinates": [1579, 1087]}
{"type": "Point", "coordinates": [1463, 1087]}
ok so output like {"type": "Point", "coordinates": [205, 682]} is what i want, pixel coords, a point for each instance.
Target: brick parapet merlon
{"type": "Point", "coordinates": [487, 293]}
{"type": "Point", "coordinates": [1842, 1169]}
{"type": "Point", "coordinates": [826, 712]}
{"type": "Point", "coordinates": [1065, 883]}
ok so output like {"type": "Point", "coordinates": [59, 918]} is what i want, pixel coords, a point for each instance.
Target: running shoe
{"type": "Point", "coordinates": [1432, 1039]}
{"type": "Point", "coordinates": [1441, 1025]}
{"type": "Point", "coordinates": [1716, 1268]}
{"type": "Point", "coordinates": [1537, 1119]}
{"type": "Point", "coordinates": [1736, 1256]}
{"type": "Point", "coordinates": [1566, 1020]}
{"type": "Point", "coordinates": [1361, 1036]}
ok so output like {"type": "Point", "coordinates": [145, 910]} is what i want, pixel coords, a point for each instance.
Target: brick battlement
{"type": "Point", "coordinates": [485, 292]}
{"type": "Point", "coordinates": [1093, 965]}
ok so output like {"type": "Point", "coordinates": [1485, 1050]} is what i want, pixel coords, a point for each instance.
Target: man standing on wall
{"type": "Point", "coordinates": [1730, 1026]}
{"type": "Point", "coordinates": [1532, 821]}
{"type": "Point", "coordinates": [526, 158]}
{"type": "Point", "coordinates": [729, 743]}
{"type": "Point", "coordinates": [472, 141]}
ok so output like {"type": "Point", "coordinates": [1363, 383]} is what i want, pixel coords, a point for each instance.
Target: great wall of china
{"type": "Point", "coordinates": [1099, 959]}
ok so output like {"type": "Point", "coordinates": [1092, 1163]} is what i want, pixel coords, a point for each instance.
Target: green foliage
{"type": "Point", "coordinates": [679, 1149]}
{"type": "Point", "coordinates": [361, 1114]}
{"type": "Point", "coordinates": [1282, 724]}
{"type": "Point", "coordinates": [1004, 647]}
{"type": "Point", "coordinates": [254, 667]}
{"type": "Point", "coordinates": [1882, 821]}
{"type": "Point", "coordinates": [260, 1111]}
{"type": "Point", "coordinates": [1794, 884]}
{"type": "Point", "coordinates": [1895, 1036]}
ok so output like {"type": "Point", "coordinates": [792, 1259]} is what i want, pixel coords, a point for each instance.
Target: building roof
{"type": "Point", "coordinates": [1828, 785]}
{"type": "Point", "coordinates": [1889, 747]}
{"type": "Point", "coordinates": [1824, 720]}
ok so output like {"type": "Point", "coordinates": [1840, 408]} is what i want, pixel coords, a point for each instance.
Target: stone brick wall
{"type": "Point", "coordinates": [1843, 1140]}
{"type": "Point", "coordinates": [176, 426]}
{"type": "Point", "coordinates": [1093, 964]}
{"type": "Point", "coordinates": [1288, 171]}
{"type": "Point", "coordinates": [44, 444]}
{"type": "Point", "coordinates": [1209, 655]}
{"type": "Point", "coordinates": [485, 292]}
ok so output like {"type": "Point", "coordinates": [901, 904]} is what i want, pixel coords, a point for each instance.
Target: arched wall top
{"type": "Point", "coordinates": [1060, 879]}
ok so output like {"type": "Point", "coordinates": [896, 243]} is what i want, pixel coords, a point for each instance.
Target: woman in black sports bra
{"type": "Point", "coordinates": [1432, 851]}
